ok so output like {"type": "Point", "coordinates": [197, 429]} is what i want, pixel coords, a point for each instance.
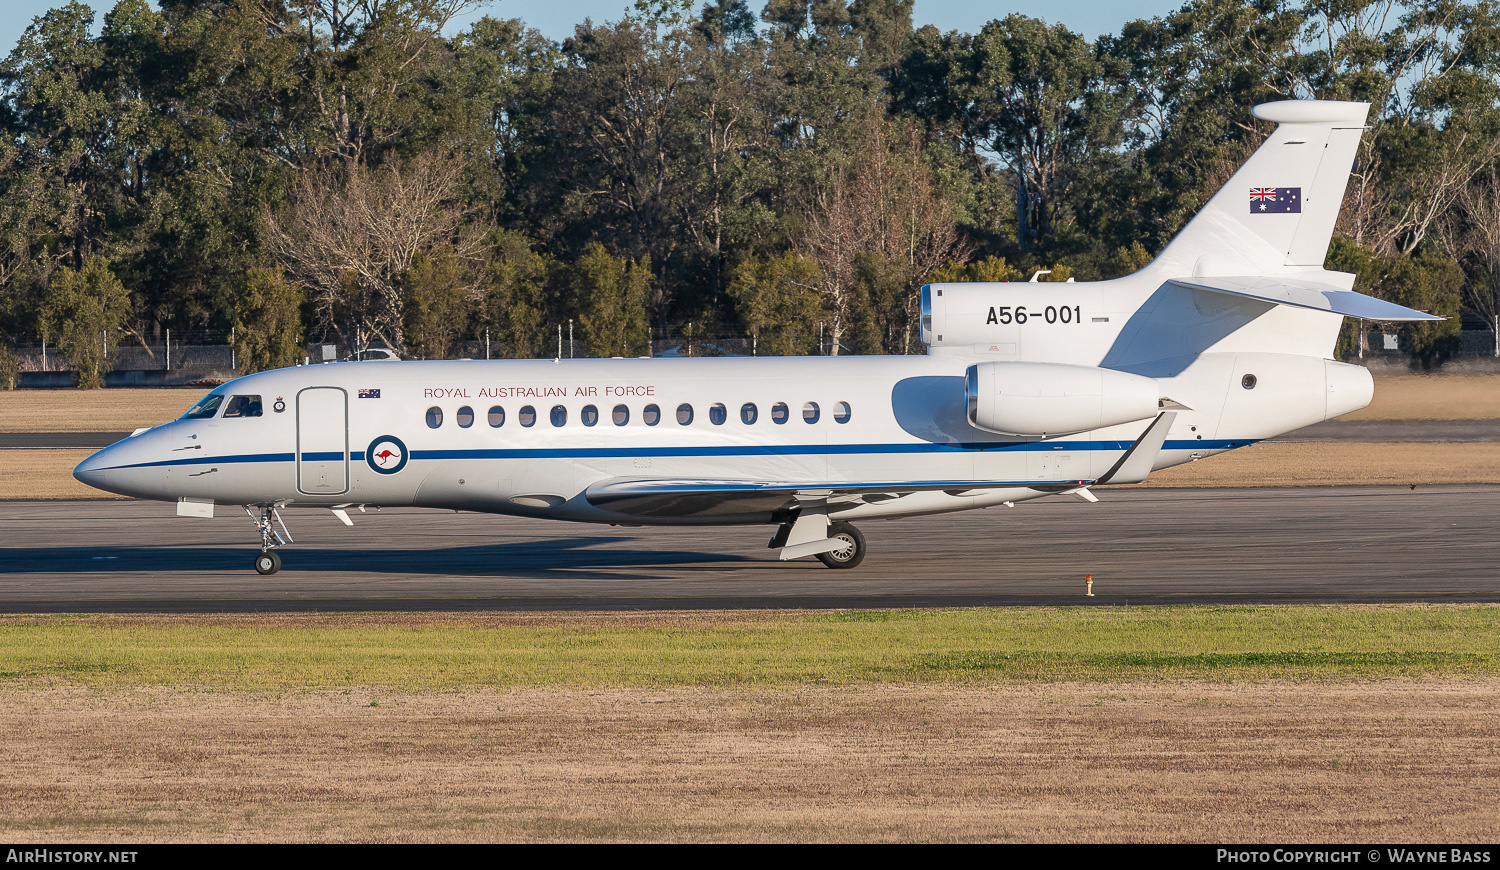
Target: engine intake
{"type": "Point", "coordinates": [1041, 399]}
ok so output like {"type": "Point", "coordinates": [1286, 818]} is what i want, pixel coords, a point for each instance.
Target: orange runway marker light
{"type": "Point", "coordinates": [1088, 582]}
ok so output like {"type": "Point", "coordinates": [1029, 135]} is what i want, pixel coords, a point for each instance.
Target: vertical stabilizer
{"type": "Point", "coordinates": [1276, 214]}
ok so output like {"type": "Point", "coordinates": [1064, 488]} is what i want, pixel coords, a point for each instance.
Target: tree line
{"type": "Point", "coordinates": [339, 170]}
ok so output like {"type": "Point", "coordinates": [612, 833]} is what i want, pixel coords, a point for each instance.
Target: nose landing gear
{"type": "Point", "coordinates": [268, 561]}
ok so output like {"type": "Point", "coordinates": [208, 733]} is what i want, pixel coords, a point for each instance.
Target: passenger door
{"type": "Point", "coordinates": [323, 441]}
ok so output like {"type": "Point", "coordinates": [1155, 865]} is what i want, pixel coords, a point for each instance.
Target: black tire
{"type": "Point", "coordinates": [267, 562]}
{"type": "Point", "coordinates": [853, 551]}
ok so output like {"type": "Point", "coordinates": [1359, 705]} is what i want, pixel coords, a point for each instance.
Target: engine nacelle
{"type": "Point", "coordinates": [1038, 399]}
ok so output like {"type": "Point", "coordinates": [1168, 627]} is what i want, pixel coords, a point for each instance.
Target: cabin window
{"type": "Point", "coordinates": [434, 417]}
{"type": "Point", "coordinates": [528, 416]}
{"type": "Point", "coordinates": [749, 413]}
{"type": "Point", "coordinates": [589, 415]}
{"type": "Point", "coordinates": [206, 407]}
{"type": "Point", "coordinates": [243, 406]}
{"type": "Point", "coordinates": [621, 415]}
{"type": "Point", "coordinates": [717, 413]}
{"type": "Point", "coordinates": [651, 414]}
{"type": "Point", "coordinates": [465, 417]}
{"type": "Point", "coordinates": [841, 412]}
{"type": "Point", "coordinates": [810, 412]}
{"type": "Point", "coordinates": [684, 413]}
{"type": "Point", "coordinates": [497, 416]}
{"type": "Point", "coordinates": [780, 413]}
{"type": "Point", "coordinates": [559, 415]}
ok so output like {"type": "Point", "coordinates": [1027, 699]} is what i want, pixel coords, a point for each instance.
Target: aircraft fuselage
{"type": "Point", "coordinates": [531, 437]}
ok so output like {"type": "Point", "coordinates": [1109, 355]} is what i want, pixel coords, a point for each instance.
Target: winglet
{"type": "Point", "coordinates": [1141, 457]}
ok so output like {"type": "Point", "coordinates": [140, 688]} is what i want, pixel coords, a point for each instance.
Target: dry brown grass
{"type": "Point", "coordinates": [1339, 464]}
{"type": "Point", "coordinates": [44, 474]}
{"type": "Point", "coordinates": [1433, 397]}
{"type": "Point", "coordinates": [119, 410]}
{"type": "Point", "coordinates": [1396, 760]}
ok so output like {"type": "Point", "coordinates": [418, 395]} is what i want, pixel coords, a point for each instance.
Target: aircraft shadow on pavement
{"type": "Point", "coordinates": [568, 556]}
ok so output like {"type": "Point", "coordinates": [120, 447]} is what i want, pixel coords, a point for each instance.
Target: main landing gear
{"type": "Point", "coordinates": [851, 550]}
{"type": "Point", "coordinates": [837, 545]}
{"type": "Point", "coordinates": [268, 561]}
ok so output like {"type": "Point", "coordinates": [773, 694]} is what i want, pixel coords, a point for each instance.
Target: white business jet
{"type": "Point", "coordinates": [1027, 390]}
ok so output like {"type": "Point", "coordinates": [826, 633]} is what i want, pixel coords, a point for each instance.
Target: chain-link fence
{"type": "Point", "coordinates": [201, 351]}
{"type": "Point", "coordinates": [1378, 344]}
{"type": "Point", "coordinates": [561, 346]}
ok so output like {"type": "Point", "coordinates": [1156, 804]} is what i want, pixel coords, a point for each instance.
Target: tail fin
{"type": "Point", "coordinates": [1276, 215]}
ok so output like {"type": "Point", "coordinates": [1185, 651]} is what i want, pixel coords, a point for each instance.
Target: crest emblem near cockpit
{"type": "Point", "coordinates": [387, 455]}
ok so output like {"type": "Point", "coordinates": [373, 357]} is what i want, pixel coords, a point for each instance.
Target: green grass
{"type": "Point", "coordinates": [733, 650]}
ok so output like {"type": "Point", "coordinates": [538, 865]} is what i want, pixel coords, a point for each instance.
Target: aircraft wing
{"type": "Point", "coordinates": [1307, 294]}
{"type": "Point", "coordinates": [732, 498]}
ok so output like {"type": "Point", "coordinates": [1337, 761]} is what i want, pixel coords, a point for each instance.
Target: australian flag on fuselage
{"type": "Point", "coordinates": [1275, 200]}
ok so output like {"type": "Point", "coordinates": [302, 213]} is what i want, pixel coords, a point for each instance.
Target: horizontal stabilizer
{"type": "Point", "coordinates": [1306, 294]}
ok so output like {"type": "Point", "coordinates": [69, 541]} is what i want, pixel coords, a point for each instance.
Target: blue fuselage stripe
{"type": "Point", "coordinates": [699, 452]}
{"type": "Point", "coordinates": [211, 460]}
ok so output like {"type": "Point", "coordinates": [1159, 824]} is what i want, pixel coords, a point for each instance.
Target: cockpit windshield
{"type": "Point", "coordinates": [206, 407]}
{"type": "Point", "coordinates": [243, 406]}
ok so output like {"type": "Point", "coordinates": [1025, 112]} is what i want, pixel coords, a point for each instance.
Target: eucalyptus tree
{"type": "Point", "coordinates": [1431, 71]}
{"type": "Point", "coordinates": [1471, 235]}
{"type": "Point", "coordinates": [728, 137]}
{"type": "Point", "coordinates": [59, 183]}
{"type": "Point", "coordinates": [371, 74]}
{"type": "Point", "coordinates": [618, 140]}
{"type": "Point", "coordinates": [502, 76]}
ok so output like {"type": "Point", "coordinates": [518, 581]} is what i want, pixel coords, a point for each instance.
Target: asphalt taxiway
{"type": "Point", "coordinates": [1325, 545]}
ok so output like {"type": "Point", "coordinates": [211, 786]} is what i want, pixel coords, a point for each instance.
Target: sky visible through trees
{"type": "Point", "coordinates": [556, 21]}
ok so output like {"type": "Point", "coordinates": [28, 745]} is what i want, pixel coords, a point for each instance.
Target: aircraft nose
{"type": "Point", "coordinates": [91, 470]}
{"type": "Point", "coordinates": [131, 467]}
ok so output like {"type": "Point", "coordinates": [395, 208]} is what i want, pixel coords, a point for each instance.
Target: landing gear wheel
{"type": "Point", "coordinates": [851, 550]}
{"type": "Point", "coordinates": [268, 562]}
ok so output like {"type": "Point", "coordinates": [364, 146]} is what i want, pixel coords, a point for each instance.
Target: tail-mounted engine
{"type": "Point", "coordinates": [1044, 399]}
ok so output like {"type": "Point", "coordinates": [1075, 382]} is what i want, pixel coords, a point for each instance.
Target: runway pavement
{"type": "Point", "coordinates": [1344, 544]}
{"type": "Point", "coordinates": [58, 440]}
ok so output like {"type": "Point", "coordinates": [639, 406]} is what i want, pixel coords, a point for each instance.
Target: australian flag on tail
{"type": "Point", "coordinates": [1275, 200]}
